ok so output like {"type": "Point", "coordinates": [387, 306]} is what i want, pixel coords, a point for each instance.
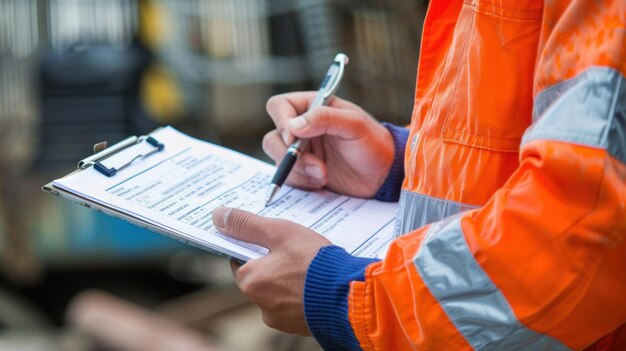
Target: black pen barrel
{"type": "Point", "coordinates": [283, 170]}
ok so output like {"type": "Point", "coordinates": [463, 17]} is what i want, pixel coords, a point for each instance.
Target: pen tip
{"type": "Point", "coordinates": [271, 191]}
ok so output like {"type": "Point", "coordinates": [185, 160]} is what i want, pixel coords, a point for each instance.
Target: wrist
{"type": "Point", "coordinates": [326, 290]}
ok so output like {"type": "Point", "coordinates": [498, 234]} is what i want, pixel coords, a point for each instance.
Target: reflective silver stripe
{"type": "Point", "coordinates": [476, 307]}
{"type": "Point", "coordinates": [416, 210]}
{"type": "Point", "coordinates": [589, 109]}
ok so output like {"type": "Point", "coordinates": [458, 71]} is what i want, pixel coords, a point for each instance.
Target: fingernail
{"type": "Point", "coordinates": [314, 172]}
{"type": "Point", "coordinates": [285, 135]}
{"type": "Point", "coordinates": [220, 216]}
{"type": "Point", "coordinates": [298, 123]}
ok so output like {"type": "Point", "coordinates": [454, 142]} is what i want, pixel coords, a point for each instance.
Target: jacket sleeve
{"type": "Point", "coordinates": [541, 265]}
{"type": "Point", "coordinates": [390, 190]}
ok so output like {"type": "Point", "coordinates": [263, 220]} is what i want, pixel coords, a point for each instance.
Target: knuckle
{"type": "Point", "coordinates": [246, 288]}
{"type": "Point", "coordinates": [321, 118]}
{"type": "Point", "coordinates": [323, 114]}
{"type": "Point", "coordinates": [269, 320]}
{"type": "Point", "coordinates": [248, 280]}
{"type": "Point", "coordinates": [248, 268]}
{"type": "Point", "coordinates": [238, 275]}
{"type": "Point", "coordinates": [273, 103]}
{"type": "Point", "coordinates": [270, 103]}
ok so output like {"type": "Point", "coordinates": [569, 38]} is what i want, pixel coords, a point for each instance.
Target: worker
{"type": "Point", "coordinates": [511, 181]}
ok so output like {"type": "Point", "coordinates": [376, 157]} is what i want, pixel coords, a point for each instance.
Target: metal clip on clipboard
{"type": "Point", "coordinates": [103, 152]}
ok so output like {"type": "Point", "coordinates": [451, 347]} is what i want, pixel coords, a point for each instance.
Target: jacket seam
{"type": "Point", "coordinates": [447, 121]}
{"type": "Point", "coordinates": [365, 328]}
{"type": "Point", "coordinates": [492, 9]}
{"type": "Point", "coordinates": [450, 202]}
{"type": "Point", "coordinates": [478, 146]}
{"type": "Point", "coordinates": [466, 133]}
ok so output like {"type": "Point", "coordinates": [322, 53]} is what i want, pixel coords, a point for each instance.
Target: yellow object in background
{"type": "Point", "coordinates": [153, 23]}
{"type": "Point", "coordinates": [160, 95]}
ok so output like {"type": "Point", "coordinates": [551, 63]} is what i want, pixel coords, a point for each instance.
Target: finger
{"type": "Point", "coordinates": [316, 147]}
{"type": "Point", "coordinates": [234, 266]}
{"type": "Point", "coordinates": [240, 270]}
{"type": "Point", "coordinates": [248, 277]}
{"type": "Point", "coordinates": [284, 107]}
{"type": "Point", "coordinates": [296, 103]}
{"type": "Point", "coordinates": [274, 146]}
{"type": "Point", "coordinates": [289, 105]}
{"type": "Point", "coordinates": [308, 164]}
{"type": "Point", "coordinates": [326, 120]}
{"type": "Point", "coordinates": [301, 181]}
{"type": "Point", "coordinates": [246, 226]}
{"type": "Point", "coordinates": [281, 108]}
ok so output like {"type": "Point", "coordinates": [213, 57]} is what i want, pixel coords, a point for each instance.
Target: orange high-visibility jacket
{"type": "Point", "coordinates": [513, 206]}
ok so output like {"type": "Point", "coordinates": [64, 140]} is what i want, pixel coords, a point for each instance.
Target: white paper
{"type": "Point", "coordinates": [178, 188]}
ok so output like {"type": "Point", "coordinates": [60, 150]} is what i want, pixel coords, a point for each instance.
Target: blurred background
{"type": "Point", "coordinates": [76, 72]}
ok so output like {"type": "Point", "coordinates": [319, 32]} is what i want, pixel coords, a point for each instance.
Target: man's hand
{"type": "Point", "coordinates": [349, 152]}
{"type": "Point", "coordinates": [274, 282]}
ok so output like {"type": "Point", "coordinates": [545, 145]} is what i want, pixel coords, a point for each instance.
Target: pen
{"type": "Point", "coordinates": [327, 89]}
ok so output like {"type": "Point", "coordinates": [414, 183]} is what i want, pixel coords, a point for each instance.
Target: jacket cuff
{"type": "Point", "coordinates": [390, 190]}
{"type": "Point", "coordinates": [326, 290]}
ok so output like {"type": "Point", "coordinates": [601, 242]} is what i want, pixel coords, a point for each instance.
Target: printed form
{"type": "Point", "coordinates": [178, 188]}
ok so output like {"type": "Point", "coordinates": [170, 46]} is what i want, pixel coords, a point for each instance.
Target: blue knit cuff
{"type": "Point", "coordinates": [326, 296]}
{"type": "Point", "coordinates": [390, 190]}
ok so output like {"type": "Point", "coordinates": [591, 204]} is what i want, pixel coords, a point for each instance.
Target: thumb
{"type": "Point", "coordinates": [245, 226]}
{"type": "Point", "coordinates": [326, 120]}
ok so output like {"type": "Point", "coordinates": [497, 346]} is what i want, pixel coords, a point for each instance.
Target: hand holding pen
{"type": "Point", "coordinates": [349, 151]}
{"type": "Point", "coordinates": [327, 89]}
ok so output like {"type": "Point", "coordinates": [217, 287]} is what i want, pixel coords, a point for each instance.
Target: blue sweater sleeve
{"type": "Point", "coordinates": [390, 190]}
{"type": "Point", "coordinates": [326, 296]}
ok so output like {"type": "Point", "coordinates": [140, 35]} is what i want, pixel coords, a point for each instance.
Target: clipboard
{"type": "Point", "coordinates": [174, 182]}
{"type": "Point", "coordinates": [101, 152]}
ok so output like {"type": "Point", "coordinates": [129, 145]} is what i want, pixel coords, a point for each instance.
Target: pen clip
{"type": "Point", "coordinates": [341, 60]}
